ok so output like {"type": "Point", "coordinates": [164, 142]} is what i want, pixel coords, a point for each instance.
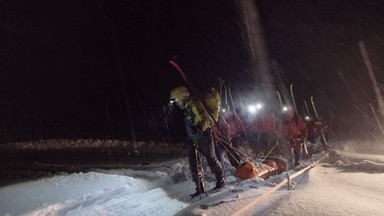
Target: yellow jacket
{"type": "Point", "coordinates": [196, 117]}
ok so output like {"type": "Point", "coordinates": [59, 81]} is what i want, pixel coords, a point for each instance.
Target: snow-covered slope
{"type": "Point", "coordinates": [346, 183]}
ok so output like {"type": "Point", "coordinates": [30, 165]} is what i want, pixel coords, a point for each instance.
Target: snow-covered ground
{"type": "Point", "coordinates": [346, 183]}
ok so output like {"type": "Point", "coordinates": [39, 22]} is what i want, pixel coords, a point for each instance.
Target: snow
{"type": "Point", "coordinates": [345, 183]}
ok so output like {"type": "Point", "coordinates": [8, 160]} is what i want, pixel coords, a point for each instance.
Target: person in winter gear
{"type": "Point", "coordinates": [199, 139]}
{"type": "Point", "coordinates": [292, 133]}
{"type": "Point", "coordinates": [264, 128]}
{"type": "Point", "coordinates": [237, 129]}
{"type": "Point", "coordinates": [315, 126]}
{"type": "Point", "coordinates": [218, 134]}
{"type": "Point", "coordinates": [220, 127]}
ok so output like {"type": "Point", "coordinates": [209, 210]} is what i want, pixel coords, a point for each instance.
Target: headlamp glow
{"type": "Point", "coordinates": [172, 101]}
{"type": "Point", "coordinates": [254, 108]}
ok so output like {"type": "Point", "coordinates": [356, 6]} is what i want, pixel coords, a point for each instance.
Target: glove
{"type": "Point", "coordinates": [192, 140]}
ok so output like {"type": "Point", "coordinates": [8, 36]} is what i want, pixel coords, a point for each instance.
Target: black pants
{"type": "Point", "coordinates": [205, 147]}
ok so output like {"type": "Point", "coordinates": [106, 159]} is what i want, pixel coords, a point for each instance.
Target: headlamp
{"type": "Point", "coordinates": [172, 101]}
{"type": "Point", "coordinates": [254, 108]}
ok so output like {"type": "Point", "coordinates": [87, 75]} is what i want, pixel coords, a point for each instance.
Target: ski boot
{"type": "Point", "coordinates": [219, 180]}
{"type": "Point", "coordinates": [199, 190]}
{"type": "Point", "coordinates": [219, 184]}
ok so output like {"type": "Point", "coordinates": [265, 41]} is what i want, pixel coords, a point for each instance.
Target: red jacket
{"type": "Point", "coordinates": [315, 127]}
{"type": "Point", "coordinates": [236, 126]}
{"type": "Point", "coordinates": [224, 129]}
{"type": "Point", "coordinates": [265, 122]}
{"type": "Point", "coordinates": [292, 128]}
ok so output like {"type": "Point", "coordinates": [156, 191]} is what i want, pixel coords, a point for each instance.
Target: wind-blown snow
{"type": "Point", "coordinates": [346, 183]}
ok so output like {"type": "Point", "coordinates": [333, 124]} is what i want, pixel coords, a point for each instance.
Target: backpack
{"type": "Point", "coordinates": [212, 103]}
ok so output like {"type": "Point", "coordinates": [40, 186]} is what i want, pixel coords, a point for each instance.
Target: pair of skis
{"type": "Point", "coordinates": [307, 109]}
{"type": "Point", "coordinates": [317, 116]}
{"type": "Point", "coordinates": [297, 113]}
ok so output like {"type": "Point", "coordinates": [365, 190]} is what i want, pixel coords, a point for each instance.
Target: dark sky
{"type": "Point", "coordinates": [99, 69]}
{"type": "Point", "coordinates": [316, 45]}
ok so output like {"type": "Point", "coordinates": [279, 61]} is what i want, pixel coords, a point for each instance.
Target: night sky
{"type": "Point", "coordinates": [99, 69]}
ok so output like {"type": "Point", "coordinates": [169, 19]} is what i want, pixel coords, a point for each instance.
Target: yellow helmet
{"type": "Point", "coordinates": [180, 92]}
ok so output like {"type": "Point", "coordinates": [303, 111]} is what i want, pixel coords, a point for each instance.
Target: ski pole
{"type": "Point", "coordinates": [270, 151]}
{"type": "Point", "coordinates": [230, 96]}
{"type": "Point", "coordinates": [199, 166]}
{"type": "Point", "coordinates": [232, 150]}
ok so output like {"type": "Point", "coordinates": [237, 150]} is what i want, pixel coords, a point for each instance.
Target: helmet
{"type": "Point", "coordinates": [180, 92]}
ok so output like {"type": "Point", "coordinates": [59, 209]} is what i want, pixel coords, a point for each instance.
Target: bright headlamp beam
{"type": "Point", "coordinates": [252, 109]}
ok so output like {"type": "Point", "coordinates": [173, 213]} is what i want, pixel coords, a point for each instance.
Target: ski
{"type": "Point", "coordinates": [207, 206]}
{"type": "Point", "coordinates": [293, 98]}
{"type": "Point", "coordinates": [317, 116]}
{"type": "Point", "coordinates": [280, 100]}
{"type": "Point", "coordinates": [206, 193]}
{"type": "Point", "coordinates": [295, 107]}
{"type": "Point", "coordinates": [314, 107]}
{"type": "Point", "coordinates": [178, 68]}
{"type": "Point", "coordinates": [306, 108]}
